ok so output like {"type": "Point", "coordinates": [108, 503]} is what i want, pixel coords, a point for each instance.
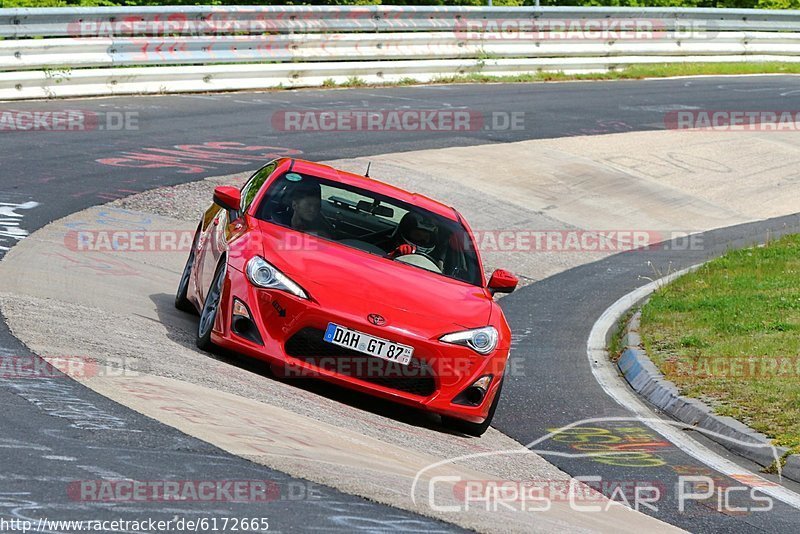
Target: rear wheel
{"type": "Point", "coordinates": [474, 429]}
{"type": "Point", "coordinates": [209, 314]}
{"type": "Point", "coordinates": [181, 300]}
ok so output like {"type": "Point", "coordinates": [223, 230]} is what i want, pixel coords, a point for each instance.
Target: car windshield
{"type": "Point", "coordinates": [364, 220]}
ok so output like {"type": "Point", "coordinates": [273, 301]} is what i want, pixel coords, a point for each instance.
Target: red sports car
{"type": "Point", "coordinates": [330, 274]}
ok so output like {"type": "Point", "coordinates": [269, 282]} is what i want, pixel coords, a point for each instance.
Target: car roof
{"type": "Point", "coordinates": [376, 186]}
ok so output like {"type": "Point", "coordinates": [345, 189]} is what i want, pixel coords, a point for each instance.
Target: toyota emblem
{"type": "Point", "coordinates": [376, 319]}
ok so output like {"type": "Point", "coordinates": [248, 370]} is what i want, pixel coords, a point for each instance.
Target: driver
{"type": "Point", "coordinates": [306, 216]}
{"type": "Point", "coordinates": [418, 235]}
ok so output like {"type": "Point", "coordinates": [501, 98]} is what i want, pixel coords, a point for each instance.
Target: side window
{"type": "Point", "coordinates": [250, 189]}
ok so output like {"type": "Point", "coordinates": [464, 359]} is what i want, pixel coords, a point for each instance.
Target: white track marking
{"type": "Point", "coordinates": [606, 374]}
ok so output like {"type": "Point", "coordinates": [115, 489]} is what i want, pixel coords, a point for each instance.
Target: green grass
{"type": "Point", "coordinates": [636, 72]}
{"type": "Point", "coordinates": [660, 70]}
{"type": "Point", "coordinates": [353, 81]}
{"type": "Point", "coordinates": [729, 334]}
{"type": "Point", "coordinates": [615, 346]}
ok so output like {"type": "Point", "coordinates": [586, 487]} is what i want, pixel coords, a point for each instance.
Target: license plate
{"type": "Point", "coordinates": [374, 346]}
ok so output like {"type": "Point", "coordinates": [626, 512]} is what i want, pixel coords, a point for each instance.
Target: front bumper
{"type": "Point", "coordinates": [292, 330]}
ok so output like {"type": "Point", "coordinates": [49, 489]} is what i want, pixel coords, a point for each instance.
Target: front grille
{"type": "Point", "coordinates": [415, 378]}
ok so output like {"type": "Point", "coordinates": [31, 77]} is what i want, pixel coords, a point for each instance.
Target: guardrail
{"type": "Point", "coordinates": [98, 51]}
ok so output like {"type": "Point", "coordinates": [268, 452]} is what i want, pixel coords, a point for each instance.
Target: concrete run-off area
{"type": "Point", "coordinates": [116, 306]}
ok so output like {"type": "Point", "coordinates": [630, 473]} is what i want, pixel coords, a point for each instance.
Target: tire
{"type": "Point", "coordinates": [210, 308]}
{"type": "Point", "coordinates": [474, 429]}
{"type": "Point", "coordinates": [181, 300]}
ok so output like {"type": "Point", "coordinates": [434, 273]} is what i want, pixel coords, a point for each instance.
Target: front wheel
{"type": "Point", "coordinates": [474, 429]}
{"type": "Point", "coordinates": [209, 314]}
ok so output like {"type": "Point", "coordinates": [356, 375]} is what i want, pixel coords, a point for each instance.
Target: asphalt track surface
{"type": "Point", "coordinates": [56, 431]}
{"type": "Point", "coordinates": [557, 387]}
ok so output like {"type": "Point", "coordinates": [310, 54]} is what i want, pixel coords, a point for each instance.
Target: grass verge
{"type": "Point", "coordinates": [729, 334]}
{"type": "Point", "coordinates": [615, 345]}
{"type": "Point", "coordinates": [634, 72]}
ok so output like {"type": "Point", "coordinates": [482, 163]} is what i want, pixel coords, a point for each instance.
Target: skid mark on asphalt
{"type": "Point", "coordinates": [60, 399]}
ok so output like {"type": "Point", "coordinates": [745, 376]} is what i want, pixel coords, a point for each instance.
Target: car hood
{"type": "Point", "coordinates": [357, 282]}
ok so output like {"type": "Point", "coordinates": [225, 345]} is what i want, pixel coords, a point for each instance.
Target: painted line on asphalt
{"type": "Point", "coordinates": [605, 372]}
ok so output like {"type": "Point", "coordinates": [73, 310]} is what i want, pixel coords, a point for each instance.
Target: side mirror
{"type": "Point", "coordinates": [228, 197]}
{"type": "Point", "coordinates": [502, 281]}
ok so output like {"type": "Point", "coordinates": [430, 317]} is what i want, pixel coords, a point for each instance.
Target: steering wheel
{"type": "Point", "coordinates": [421, 260]}
{"type": "Point", "coordinates": [427, 255]}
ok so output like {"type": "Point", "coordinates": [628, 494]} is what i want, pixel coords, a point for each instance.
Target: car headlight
{"type": "Point", "coordinates": [481, 340]}
{"type": "Point", "coordinates": [261, 273]}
